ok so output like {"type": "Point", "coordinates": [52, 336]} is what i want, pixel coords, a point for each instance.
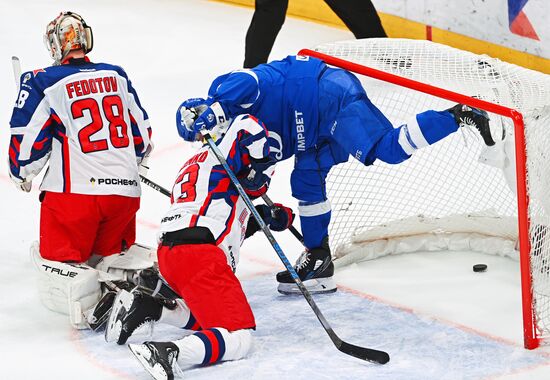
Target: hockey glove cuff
{"type": "Point", "coordinates": [210, 118]}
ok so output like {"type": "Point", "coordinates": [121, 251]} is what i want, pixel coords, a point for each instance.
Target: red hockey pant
{"type": "Point", "coordinates": [75, 226]}
{"type": "Point", "coordinates": [199, 273]}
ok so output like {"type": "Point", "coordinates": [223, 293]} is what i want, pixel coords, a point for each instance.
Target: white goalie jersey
{"type": "Point", "coordinates": [203, 195]}
{"type": "Point", "coordinates": [86, 120]}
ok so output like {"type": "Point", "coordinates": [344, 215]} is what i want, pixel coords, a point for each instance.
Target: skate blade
{"type": "Point", "coordinates": [314, 286]}
{"type": "Point", "coordinates": [121, 304]}
{"type": "Point", "coordinates": [143, 355]}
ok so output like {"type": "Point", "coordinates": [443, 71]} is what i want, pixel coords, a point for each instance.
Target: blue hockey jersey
{"type": "Point", "coordinates": [283, 94]}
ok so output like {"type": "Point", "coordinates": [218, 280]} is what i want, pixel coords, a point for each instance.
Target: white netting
{"type": "Point", "coordinates": [446, 182]}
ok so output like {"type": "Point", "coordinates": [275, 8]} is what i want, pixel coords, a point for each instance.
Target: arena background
{"type": "Point", "coordinates": [515, 31]}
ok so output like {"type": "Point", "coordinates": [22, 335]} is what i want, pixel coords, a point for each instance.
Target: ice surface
{"type": "Point", "coordinates": [435, 317]}
{"type": "Point", "coordinates": [289, 340]}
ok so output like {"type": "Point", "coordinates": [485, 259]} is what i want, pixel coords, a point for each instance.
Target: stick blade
{"type": "Point", "coordinates": [368, 354]}
{"type": "Point", "coordinates": [16, 65]}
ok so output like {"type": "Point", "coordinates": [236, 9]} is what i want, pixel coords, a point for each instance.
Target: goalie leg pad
{"type": "Point", "coordinates": [126, 265]}
{"type": "Point", "coordinates": [71, 289]}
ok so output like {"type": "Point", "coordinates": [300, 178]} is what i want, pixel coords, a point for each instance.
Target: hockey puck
{"type": "Point", "coordinates": [480, 268]}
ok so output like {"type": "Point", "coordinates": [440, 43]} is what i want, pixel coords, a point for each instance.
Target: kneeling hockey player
{"type": "Point", "coordinates": [321, 116]}
{"type": "Point", "coordinates": [200, 238]}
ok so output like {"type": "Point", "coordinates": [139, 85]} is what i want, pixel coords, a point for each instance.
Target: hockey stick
{"type": "Point", "coordinates": [363, 353]}
{"type": "Point", "coordinates": [266, 199]}
{"type": "Point", "coordinates": [155, 186]}
{"type": "Point", "coordinates": [292, 229]}
{"type": "Point", "coordinates": [16, 65]}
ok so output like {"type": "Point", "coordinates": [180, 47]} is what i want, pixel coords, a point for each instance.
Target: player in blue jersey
{"type": "Point", "coordinates": [320, 115]}
{"type": "Point", "coordinates": [85, 120]}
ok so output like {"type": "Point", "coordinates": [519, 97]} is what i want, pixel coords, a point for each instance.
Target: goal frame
{"type": "Point", "coordinates": [531, 341]}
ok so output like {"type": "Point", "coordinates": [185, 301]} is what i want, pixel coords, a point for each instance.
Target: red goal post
{"type": "Point", "coordinates": [403, 56]}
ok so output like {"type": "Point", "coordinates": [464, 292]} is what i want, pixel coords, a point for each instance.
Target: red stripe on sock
{"type": "Point", "coordinates": [215, 345]}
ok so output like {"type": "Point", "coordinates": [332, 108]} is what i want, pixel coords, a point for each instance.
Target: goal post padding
{"type": "Point", "coordinates": [457, 193]}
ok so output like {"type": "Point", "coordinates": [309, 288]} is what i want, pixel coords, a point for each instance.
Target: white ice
{"type": "Point", "coordinates": [436, 318]}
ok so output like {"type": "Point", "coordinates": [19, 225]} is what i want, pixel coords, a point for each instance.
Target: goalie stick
{"type": "Point", "coordinates": [155, 186]}
{"type": "Point", "coordinates": [16, 65]}
{"type": "Point", "coordinates": [266, 199]}
{"type": "Point", "coordinates": [363, 353]}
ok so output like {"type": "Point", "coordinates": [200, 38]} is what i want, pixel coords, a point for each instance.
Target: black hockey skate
{"type": "Point", "coordinates": [150, 278]}
{"type": "Point", "coordinates": [132, 310]}
{"type": "Point", "coordinates": [315, 269]}
{"type": "Point", "coordinates": [158, 358]}
{"type": "Point", "coordinates": [468, 116]}
{"type": "Point", "coordinates": [98, 316]}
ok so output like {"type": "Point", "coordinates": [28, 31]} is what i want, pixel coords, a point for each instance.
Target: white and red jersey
{"type": "Point", "coordinates": [86, 120]}
{"type": "Point", "coordinates": [203, 195]}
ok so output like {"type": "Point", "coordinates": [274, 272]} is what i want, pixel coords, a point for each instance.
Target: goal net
{"type": "Point", "coordinates": [457, 194]}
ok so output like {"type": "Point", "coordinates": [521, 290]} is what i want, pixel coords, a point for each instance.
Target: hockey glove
{"type": "Point", "coordinates": [143, 162]}
{"type": "Point", "coordinates": [256, 180]}
{"type": "Point", "coordinates": [469, 116]}
{"type": "Point", "coordinates": [22, 184]}
{"type": "Point", "coordinates": [210, 118]}
{"type": "Point", "coordinates": [25, 186]}
{"type": "Point", "coordinates": [282, 217]}
{"type": "Point", "coordinates": [278, 218]}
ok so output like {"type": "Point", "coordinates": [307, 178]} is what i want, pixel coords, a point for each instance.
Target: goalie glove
{"type": "Point", "coordinates": [143, 162]}
{"type": "Point", "coordinates": [469, 116]}
{"type": "Point", "coordinates": [22, 184]}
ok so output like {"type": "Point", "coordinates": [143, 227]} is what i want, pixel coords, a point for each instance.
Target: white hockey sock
{"type": "Point", "coordinates": [179, 317]}
{"type": "Point", "coordinates": [213, 345]}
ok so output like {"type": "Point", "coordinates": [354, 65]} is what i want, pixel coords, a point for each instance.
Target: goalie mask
{"type": "Point", "coordinates": [65, 33]}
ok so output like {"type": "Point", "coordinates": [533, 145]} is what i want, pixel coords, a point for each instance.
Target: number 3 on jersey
{"type": "Point", "coordinates": [185, 184]}
{"type": "Point", "coordinates": [114, 113]}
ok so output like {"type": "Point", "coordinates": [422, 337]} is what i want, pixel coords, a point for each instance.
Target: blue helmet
{"type": "Point", "coordinates": [185, 116]}
{"type": "Point", "coordinates": [183, 131]}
